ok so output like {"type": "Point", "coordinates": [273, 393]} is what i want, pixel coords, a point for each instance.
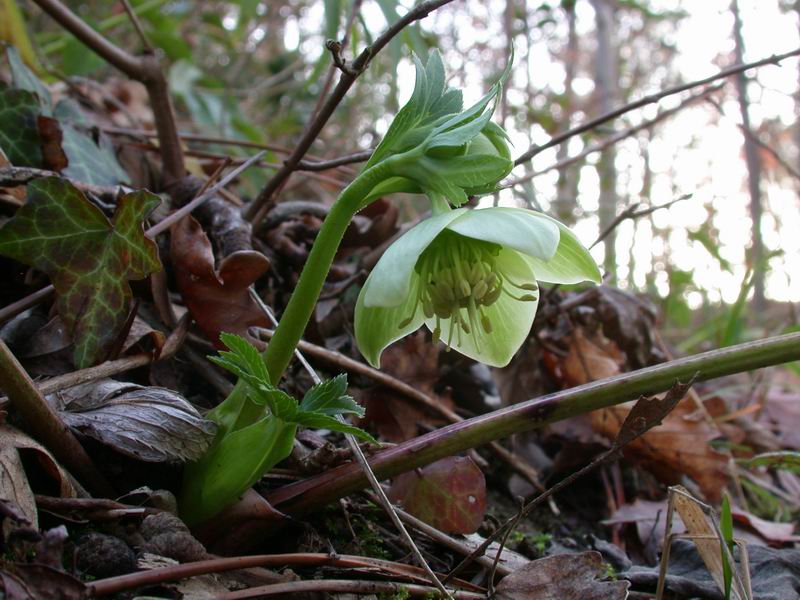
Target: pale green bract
{"type": "Point", "coordinates": [470, 276]}
{"type": "Point", "coordinates": [437, 148]}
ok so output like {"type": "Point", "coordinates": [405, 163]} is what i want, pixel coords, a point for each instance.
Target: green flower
{"type": "Point", "coordinates": [470, 276]}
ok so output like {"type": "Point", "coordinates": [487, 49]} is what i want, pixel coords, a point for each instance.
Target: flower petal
{"type": "Point", "coordinates": [378, 326]}
{"type": "Point", "coordinates": [511, 320]}
{"type": "Point", "coordinates": [571, 262]}
{"type": "Point", "coordinates": [388, 284]}
{"type": "Point", "coordinates": [523, 230]}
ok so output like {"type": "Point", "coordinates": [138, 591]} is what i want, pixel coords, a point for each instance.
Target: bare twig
{"type": "Point", "coordinates": [46, 425]}
{"type": "Point", "coordinates": [651, 99]}
{"type": "Point", "coordinates": [137, 25]}
{"type": "Point", "coordinates": [114, 585]}
{"type": "Point", "coordinates": [323, 165]}
{"type": "Point", "coordinates": [364, 464]}
{"type": "Point", "coordinates": [145, 69]}
{"type": "Point", "coordinates": [344, 586]}
{"type": "Point", "coordinates": [260, 206]}
{"type": "Point", "coordinates": [616, 138]}
{"type": "Point", "coordinates": [633, 212]}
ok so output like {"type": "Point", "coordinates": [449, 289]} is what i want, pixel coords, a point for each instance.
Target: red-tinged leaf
{"type": "Point", "coordinates": [88, 258]}
{"type": "Point", "coordinates": [449, 494]}
{"type": "Point", "coordinates": [217, 300]}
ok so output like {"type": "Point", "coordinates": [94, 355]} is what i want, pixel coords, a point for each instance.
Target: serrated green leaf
{"type": "Point", "coordinates": [88, 258]}
{"type": "Point", "coordinates": [320, 421]}
{"type": "Point", "coordinates": [247, 353]}
{"type": "Point", "coordinates": [330, 398]}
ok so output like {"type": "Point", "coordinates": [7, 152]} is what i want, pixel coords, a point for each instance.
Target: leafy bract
{"type": "Point", "coordinates": [88, 258]}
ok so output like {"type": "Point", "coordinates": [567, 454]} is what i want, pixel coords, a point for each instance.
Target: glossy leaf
{"type": "Point", "coordinates": [88, 258]}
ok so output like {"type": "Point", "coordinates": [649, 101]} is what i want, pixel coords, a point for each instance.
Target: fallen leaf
{"type": "Point", "coordinates": [90, 162]}
{"type": "Point", "coordinates": [449, 494]}
{"type": "Point", "coordinates": [679, 446]}
{"type": "Point", "coordinates": [775, 533]}
{"type": "Point", "coordinates": [218, 300]}
{"type": "Point", "coordinates": [562, 577]}
{"type": "Point", "coordinates": [590, 357]}
{"type": "Point", "coordinates": [148, 423]}
{"type": "Point", "coordinates": [89, 259]}
{"type": "Point", "coordinates": [650, 519]}
{"type": "Point", "coordinates": [14, 484]}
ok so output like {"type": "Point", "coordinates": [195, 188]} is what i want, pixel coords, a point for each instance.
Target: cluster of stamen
{"type": "Point", "coordinates": [459, 279]}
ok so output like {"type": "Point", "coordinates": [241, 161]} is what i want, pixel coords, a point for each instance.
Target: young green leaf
{"type": "Point", "coordinates": [330, 398]}
{"type": "Point", "coordinates": [321, 421]}
{"type": "Point", "coordinates": [726, 528]}
{"type": "Point", "coordinates": [88, 258]}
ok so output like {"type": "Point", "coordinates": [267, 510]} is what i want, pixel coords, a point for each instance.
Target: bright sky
{"type": "Point", "coordinates": [695, 152]}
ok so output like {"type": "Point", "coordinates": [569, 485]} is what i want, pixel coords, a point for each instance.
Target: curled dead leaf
{"type": "Point", "coordinates": [148, 423]}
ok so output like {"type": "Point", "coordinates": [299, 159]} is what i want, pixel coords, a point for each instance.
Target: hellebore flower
{"type": "Point", "coordinates": [471, 277]}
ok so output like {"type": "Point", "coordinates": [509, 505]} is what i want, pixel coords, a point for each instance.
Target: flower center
{"type": "Point", "coordinates": [459, 279]}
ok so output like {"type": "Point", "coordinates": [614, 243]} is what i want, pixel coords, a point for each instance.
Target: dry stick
{"type": "Point", "coordinates": [114, 585]}
{"type": "Point", "coordinates": [45, 423]}
{"type": "Point", "coordinates": [363, 463]}
{"type": "Point", "coordinates": [145, 69]}
{"type": "Point", "coordinates": [360, 587]}
{"type": "Point", "coordinates": [316, 491]}
{"type": "Point", "coordinates": [313, 165]}
{"type": "Point", "coordinates": [137, 25]}
{"type": "Point", "coordinates": [633, 212]}
{"type": "Point", "coordinates": [616, 138]}
{"type": "Point", "coordinates": [353, 366]}
{"type": "Point", "coordinates": [19, 306]}
{"type": "Point", "coordinates": [651, 99]}
{"type": "Point", "coordinates": [260, 206]}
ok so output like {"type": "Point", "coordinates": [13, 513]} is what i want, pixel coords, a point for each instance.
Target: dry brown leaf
{"type": "Point", "coordinates": [218, 300]}
{"type": "Point", "coordinates": [679, 446]}
{"type": "Point", "coordinates": [14, 484]}
{"type": "Point", "coordinates": [562, 577]}
{"type": "Point", "coordinates": [590, 357]}
{"type": "Point", "coordinates": [148, 423]}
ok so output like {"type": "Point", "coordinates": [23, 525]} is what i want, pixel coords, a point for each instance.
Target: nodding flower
{"type": "Point", "coordinates": [470, 276]}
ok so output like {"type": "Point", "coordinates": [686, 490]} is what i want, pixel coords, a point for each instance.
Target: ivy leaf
{"type": "Point", "coordinates": [88, 258]}
{"type": "Point", "coordinates": [28, 138]}
{"type": "Point", "coordinates": [25, 79]}
{"type": "Point", "coordinates": [89, 162]}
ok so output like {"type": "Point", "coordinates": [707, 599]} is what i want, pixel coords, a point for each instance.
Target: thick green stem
{"type": "Point", "coordinates": [304, 297]}
{"type": "Point", "coordinates": [310, 494]}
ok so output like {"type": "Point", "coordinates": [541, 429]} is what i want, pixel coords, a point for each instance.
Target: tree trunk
{"type": "Point", "coordinates": [753, 168]}
{"type": "Point", "coordinates": [606, 89]}
{"type": "Point", "coordinates": [567, 185]}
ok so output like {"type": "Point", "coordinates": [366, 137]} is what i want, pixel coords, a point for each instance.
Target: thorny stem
{"type": "Point", "coordinates": [305, 496]}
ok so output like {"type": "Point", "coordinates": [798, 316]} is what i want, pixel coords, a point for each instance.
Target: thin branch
{"type": "Point", "coordinates": [260, 206]}
{"type": "Point", "coordinates": [145, 69]}
{"type": "Point", "coordinates": [633, 212]}
{"type": "Point", "coordinates": [651, 99]}
{"type": "Point", "coordinates": [314, 492]}
{"type": "Point", "coordinates": [121, 583]}
{"type": "Point", "coordinates": [45, 424]}
{"type": "Point", "coordinates": [345, 586]}
{"type": "Point", "coordinates": [137, 25]}
{"type": "Point", "coordinates": [616, 138]}
{"type": "Point", "coordinates": [363, 464]}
